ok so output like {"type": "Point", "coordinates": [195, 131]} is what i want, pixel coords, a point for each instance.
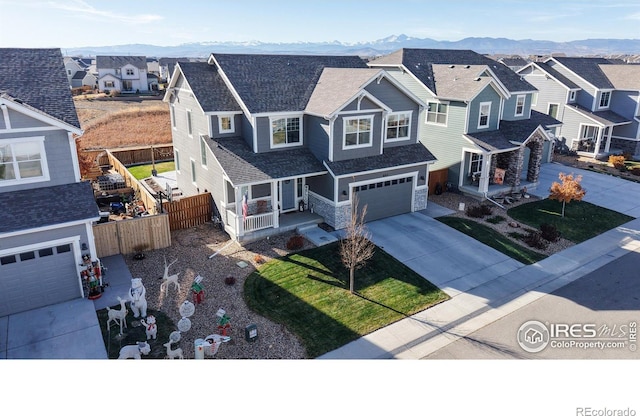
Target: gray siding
{"type": "Point", "coordinates": [624, 103]}
{"type": "Point", "coordinates": [215, 128]}
{"type": "Point", "coordinates": [338, 129]}
{"type": "Point", "coordinates": [247, 131]}
{"type": "Point", "coordinates": [343, 183]}
{"type": "Point", "coordinates": [316, 137]}
{"type": "Point", "coordinates": [322, 185]}
{"type": "Point", "coordinates": [509, 110]}
{"type": "Point", "coordinates": [585, 96]}
{"type": "Point", "coordinates": [549, 91]}
{"type": "Point", "coordinates": [263, 126]}
{"type": "Point", "coordinates": [571, 127]}
{"type": "Point", "coordinates": [21, 121]}
{"type": "Point", "coordinates": [43, 236]}
{"type": "Point", "coordinates": [487, 95]}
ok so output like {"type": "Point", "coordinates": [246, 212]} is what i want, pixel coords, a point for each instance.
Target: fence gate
{"type": "Point", "coordinates": [188, 211]}
{"type": "Point", "coordinates": [132, 235]}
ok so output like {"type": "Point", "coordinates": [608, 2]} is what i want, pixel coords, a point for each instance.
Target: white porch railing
{"type": "Point", "coordinates": [258, 222]}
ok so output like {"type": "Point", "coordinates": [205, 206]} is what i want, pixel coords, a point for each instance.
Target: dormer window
{"type": "Point", "coordinates": [605, 97]}
{"type": "Point", "coordinates": [572, 96]}
{"type": "Point", "coordinates": [485, 113]}
{"type": "Point", "coordinates": [226, 124]}
{"type": "Point", "coordinates": [520, 105]}
{"type": "Point", "coordinates": [285, 131]}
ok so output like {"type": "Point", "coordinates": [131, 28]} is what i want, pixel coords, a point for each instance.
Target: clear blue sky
{"type": "Point", "coordinates": [76, 23]}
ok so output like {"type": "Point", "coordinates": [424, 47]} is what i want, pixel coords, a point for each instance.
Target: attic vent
{"type": "Point", "coordinates": [477, 79]}
{"type": "Point", "coordinates": [452, 66]}
{"type": "Point", "coordinates": [467, 66]}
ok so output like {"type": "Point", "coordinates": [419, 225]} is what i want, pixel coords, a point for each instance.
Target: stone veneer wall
{"type": "Point", "coordinates": [323, 208]}
{"type": "Point", "coordinates": [536, 145]}
{"type": "Point", "coordinates": [627, 146]}
{"type": "Point", "coordinates": [420, 199]}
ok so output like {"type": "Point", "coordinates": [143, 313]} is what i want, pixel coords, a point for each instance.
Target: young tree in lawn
{"type": "Point", "coordinates": [567, 191]}
{"type": "Point", "coordinates": [356, 248]}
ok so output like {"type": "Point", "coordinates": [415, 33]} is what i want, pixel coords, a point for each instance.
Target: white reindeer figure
{"type": "Point", "coordinates": [118, 316]}
{"type": "Point", "coordinates": [171, 354]}
{"type": "Point", "coordinates": [166, 279]}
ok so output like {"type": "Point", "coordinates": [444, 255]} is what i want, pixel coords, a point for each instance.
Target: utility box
{"type": "Point", "coordinates": [251, 332]}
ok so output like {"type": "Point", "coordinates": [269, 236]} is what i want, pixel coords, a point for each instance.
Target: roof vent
{"type": "Point", "coordinates": [452, 66]}
{"type": "Point", "coordinates": [467, 66]}
{"type": "Point", "coordinates": [477, 79]}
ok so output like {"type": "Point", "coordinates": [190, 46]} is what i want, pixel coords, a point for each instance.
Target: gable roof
{"type": "Point", "coordinates": [208, 87]}
{"type": "Point", "coordinates": [420, 63]}
{"type": "Point", "coordinates": [243, 166]}
{"type": "Point", "coordinates": [623, 77]}
{"type": "Point", "coordinates": [278, 83]}
{"type": "Point", "coordinates": [103, 61]}
{"type": "Point", "coordinates": [79, 75]}
{"type": "Point", "coordinates": [460, 82]}
{"type": "Point", "coordinates": [588, 69]}
{"type": "Point", "coordinates": [46, 207]}
{"type": "Point", "coordinates": [37, 77]}
{"type": "Point", "coordinates": [557, 75]}
{"type": "Point", "coordinates": [604, 117]}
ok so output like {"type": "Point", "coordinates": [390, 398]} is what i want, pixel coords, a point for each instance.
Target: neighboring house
{"type": "Point", "coordinates": [478, 120]}
{"type": "Point", "coordinates": [514, 63]}
{"type": "Point", "coordinates": [46, 212]}
{"type": "Point", "coordinates": [79, 72]}
{"type": "Point", "coordinates": [83, 79]}
{"type": "Point", "coordinates": [167, 65]}
{"type": "Point", "coordinates": [153, 66]}
{"type": "Point", "coordinates": [275, 134]}
{"type": "Point", "coordinates": [125, 74]}
{"type": "Point", "coordinates": [597, 100]}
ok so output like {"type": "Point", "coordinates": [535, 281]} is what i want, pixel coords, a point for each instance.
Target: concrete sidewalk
{"type": "Point", "coordinates": [481, 295]}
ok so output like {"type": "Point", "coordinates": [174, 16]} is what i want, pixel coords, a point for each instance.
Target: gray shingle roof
{"type": "Point", "coordinates": [271, 83]}
{"type": "Point", "coordinates": [37, 77]}
{"type": "Point", "coordinates": [393, 157]}
{"type": "Point", "coordinates": [242, 166]}
{"type": "Point", "coordinates": [336, 86]}
{"type": "Point", "coordinates": [420, 61]}
{"type": "Point", "coordinates": [79, 75]}
{"type": "Point", "coordinates": [208, 87]}
{"type": "Point", "coordinates": [557, 75]}
{"type": "Point", "coordinates": [623, 77]}
{"type": "Point", "coordinates": [47, 206]}
{"type": "Point", "coordinates": [462, 82]}
{"type": "Point", "coordinates": [511, 132]}
{"type": "Point", "coordinates": [589, 69]}
{"type": "Point", "coordinates": [103, 61]}
{"type": "Point", "coordinates": [604, 117]}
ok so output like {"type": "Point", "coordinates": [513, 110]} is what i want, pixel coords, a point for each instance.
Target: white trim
{"type": "Point", "coordinates": [414, 181]}
{"type": "Point", "coordinates": [599, 99]}
{"type": "Point", "coordinates": [367, 172]}
{"type": "Point", "coordinates": [172, 110]}
{"type": "Point", "coordinates": [176, 157]}
{"type": "Point", "coordinates": [332, 122]}
{"type": "Point", "coordinates": [300, 142]}
{"type": "Point", "coordinates": [74, 157]}
{"type": "Point", "coordinates": [92, 242]}
{"type": "Point", "coordinates": [386, 127]}
{"type": "Point", "coordinates": [189, 122]}
{"type": "Point", "coordinates": [344, 132]}
{"type": "Point", "coordinates": [5, 114]}
{"type": "Point", "coordinates": [323, 199]}
{"type": "Point", "coordinates": [549, 104]}
{"type": "Point", "coordinates": [232, 128]}
{"type": "Point", "coordinates": [435, 123]}
{"type": "Point", "coordinates": [480, 115]}
{"type": "Point", "coordinates": [48, 227]}
{"type": "Point", "coordinates": [255, 134]}
{"type": "Point", "coordinates": [43, 162]}
{"type": "Point", "coordinates": [212, 60]}
{"type": "Point", "coordinates": [362, 93]}
{"type": "Point", "coordinates": [573, 92]}
{"type": "Point", "coordinates": [40, 116]}
{"type": "Point", "coordinates": [524, 102]}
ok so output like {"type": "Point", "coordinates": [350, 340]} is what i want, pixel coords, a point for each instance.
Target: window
{"type": "Point", "coordinates": [22, 161]}
{"type": "Point", "coordinates": [437, 113]}
{"type": "Point", "coordinates": [534, 99]}
{"type": "Point", "coordinates": [189, 125]}
{"type": "Point", "coordinates": [225, 124]}
{"type": "Point", "coordinates": [176, 158]}
{"type": "Point", "coordinates": [572, 96]}
{"type": "Point", "coordinates": [109, 84]}
{"type": "Point", "coordinates": [203, 152]}
{"type": "Point", "coordinates": [553, 110]}
{"type": "Point", "coordinates": [605, 96]}
{"type": "Point", "coordinates": [63, 249]}
{"type": "Point", "coordinates": [7, 260]}
{"type": "Point", "coordinates": [173, 116]}
{"type": "Point", "coordinates": [520, 105]}
{"type": "Point", "coordinates": [193, 171]}
{"type": "Point", "coordinates": [476, 163]}
{"type": "Point", "coordinates": [483, 118]}
{"type": "Point", "coordinates": [589, 133]}
{"type": "Point", "coordinates": [45, 252]}
{"type": "Point", "coordinates": [357, 131]}
{"type": "Point", "coordinates": [398, 126]}
{"type": "Point", "coordinates": [29, 255]}
{"type": "Point", "coordinates": [285, 131]}
{"type": "Point", "coordinates": [130, 71]}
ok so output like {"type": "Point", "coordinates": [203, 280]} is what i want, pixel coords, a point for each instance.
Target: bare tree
{"type": "Point", "coordinates": [356, 248]}
{"type": "Point", "coordinates": [567, 191]}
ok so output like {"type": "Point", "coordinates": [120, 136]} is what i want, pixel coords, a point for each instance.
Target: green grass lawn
{"type": "Point", "coordinates": [494, 239]}
{"type": "Point", "coordinates": [308, 292]}
{"type": "Point", "coordinates": [581, 221]}
{"type": "Point", "coordinates": [144, 171]}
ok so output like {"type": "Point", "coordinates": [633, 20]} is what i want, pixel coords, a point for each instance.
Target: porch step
{"type": "Point", "coordinates": [316, 235]}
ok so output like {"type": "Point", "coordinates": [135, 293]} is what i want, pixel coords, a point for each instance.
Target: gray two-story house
{"type": "Point", "coordinates": [597, 100]}
{"type": "Point", "coordinates": [478, 120]}
{"type": "Point", "coordinates": [268, 135]}
{"type": "Point", "coordinates": [46, 211]}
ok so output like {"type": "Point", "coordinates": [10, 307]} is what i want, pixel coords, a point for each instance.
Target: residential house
{"type": "Point", "coordinates": [46, 211]}
{"type": "Point", "coordinates": [478, 120]}
{"type": "Point", "coordinates": [269, 135]}
{"type": "Point", "coordinates": [597, 100]}
{"type": "Point", "coordinates": [79, 73]}
{"type": "Point", "coordinates": [125, 74]}
{"type": "Point", "coordinates": [513, 62]}
{"type": "Point", "coordinates": [167, 65]}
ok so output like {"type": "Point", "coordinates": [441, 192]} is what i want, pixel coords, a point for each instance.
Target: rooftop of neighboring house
{"type": "Point", "coordinates": [103, 61]}
{"type": "Point", "coordinates": [557, 75]}
{"type": "Point", "coordinates": [79, 75]}
{"type": "Point", "coordinates": [514, 61]}
{"type": "Point", "coordinates": [623, 77]}
{"type": "Point", "coordinates": [420, 62]}
{"type": "Point", "coordinates": [271, 83]}
{"type": "Point", "coordinates": [37, 77]}
{"type": "Point", "coordinates": [588, 69]}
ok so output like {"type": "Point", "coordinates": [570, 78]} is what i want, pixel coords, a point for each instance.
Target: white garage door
{"type": "Point", "coordinates": [385, 198]}
{"type": "Point", "coordinates": [35, 278]}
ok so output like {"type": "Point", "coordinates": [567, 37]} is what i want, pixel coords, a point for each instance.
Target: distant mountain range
{"type": "Point", "coordinates": [493, 46]}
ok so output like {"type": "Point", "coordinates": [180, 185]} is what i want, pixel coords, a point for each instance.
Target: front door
{"type": "Point", "coordinates": [288, 193]}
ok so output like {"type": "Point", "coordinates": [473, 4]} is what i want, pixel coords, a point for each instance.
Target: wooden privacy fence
{"type": "Point", "coordinates": [188, 211]}
{"type": "Point", "coordinates": [139, 155]}
{"type": "Point", "coordinates": [150, 202]}
{"type": "Point", "coordinates": [132, 235]}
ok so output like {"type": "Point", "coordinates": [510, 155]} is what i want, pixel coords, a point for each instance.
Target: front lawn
{"type": "Point", "coordinates": [144, 171]}
{"type": "Point", "coordinates": [308, 292]}
{"type": "Point", "coordinates": [581, 221]}
{"type": "Point", "coordinates": [494, 239]}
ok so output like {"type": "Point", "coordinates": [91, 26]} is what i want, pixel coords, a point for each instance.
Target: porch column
{"type": "Point", "coordinates": [239, 216]}
{"type": "Point", "coordinates": [596, 150]}
{"type": "Point", "coordinates": [483, 183]}
{"type": "Point", "coordinates": [514, 171]}
{"type": "Point", "coordinates": [607, 144]}
{"type": "Point", "coordinates": [274, 204]}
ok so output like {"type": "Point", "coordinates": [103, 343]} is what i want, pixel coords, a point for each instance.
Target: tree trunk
{"type": "Point", "coordinates": [351, 279]}
{"type": "Point", "coordinates": [563, 204]}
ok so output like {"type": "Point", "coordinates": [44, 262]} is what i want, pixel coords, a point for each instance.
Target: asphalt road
{"type": "Point", "coordinates": [591, 318]}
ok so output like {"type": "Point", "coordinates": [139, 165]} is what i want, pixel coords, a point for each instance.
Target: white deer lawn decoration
{"type": "Point", "coordinates": [134, 351]}
{"type": "Point", "coordinates": [166, 279]}
{"type": "Point", "coordinates": [171, 354]}
{"type": "Point", "coordinates": [117, 316]}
